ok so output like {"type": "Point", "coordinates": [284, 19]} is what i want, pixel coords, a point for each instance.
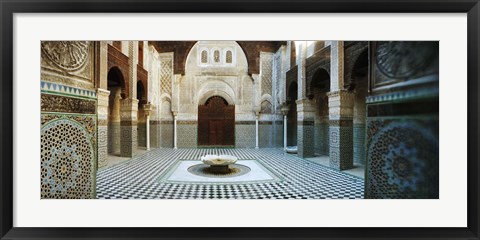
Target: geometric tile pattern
{"type": "Point", "coordinates": [66, 90]}
{"type": "Point", "coordinates": [321, 139]}
{"type": "Point", "coordinates": [67, 156]}
{"type": "Point", "coordinates": [359, 143]}
{"type": "Point", "coordinates": [265, 135]}
{"type": "Point", "coordinates": [244, 135]}
{"type": "Point", "coordinates": [139, 178]}
{"type": "Point", "coordinates": [403, 157]}
{"type": "Point", "coordinates": [306, 139]}
{"type": "Point", "coordinates": [341, 146]}
{"type": "Point", "coordinates": [187, 135]}
{"type": "Point", "coordinates": [166, 133]}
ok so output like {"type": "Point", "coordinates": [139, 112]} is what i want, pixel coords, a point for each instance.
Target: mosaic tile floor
{"type": "Point", "coordinates": [140, 178]}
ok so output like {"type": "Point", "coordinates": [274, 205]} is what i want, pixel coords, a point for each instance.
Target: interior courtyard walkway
{"type": "Point", "coordinates": [157, 174]}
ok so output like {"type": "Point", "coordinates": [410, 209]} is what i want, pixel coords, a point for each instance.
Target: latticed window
{"type": "Point", "coordinates": [228, 57]}
{"type": "Point", "coordinates": [204, 56]}
{"type": "Point", "coordinates": [216, 56]}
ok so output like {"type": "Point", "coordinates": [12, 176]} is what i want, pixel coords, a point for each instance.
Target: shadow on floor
{"type": "Point", "coordinates": [114, 159]}
{"type": "Point", "coordinates": [357, 170]}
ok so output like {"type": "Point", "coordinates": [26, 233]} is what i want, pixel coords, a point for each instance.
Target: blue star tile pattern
{"type": "Point", "coordinates": [138, 178]}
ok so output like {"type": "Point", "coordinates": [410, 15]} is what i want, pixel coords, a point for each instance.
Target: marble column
{"type": "Point", "coordinates": [102, 111]}
{"type": "Point", "coordinates": [341, 129]}
{"type": "Point", "coordinates": [128, 117]}
{"type": "Point", "coordinates": [285, 110]}
{"type": "Point", "coordinates": [256, 110]}
{"type": "Point", "coordinates": [306, 128]}
{"type": "Point", "coordinates": [147, 108]}
{"type": "Point", "coordinates": [174, 129]}
{"type": "Point", "coordinates": [256, 131]}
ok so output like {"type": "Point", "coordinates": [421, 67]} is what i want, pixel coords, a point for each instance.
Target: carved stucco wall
{"type": "Point", "coordinates": [68, 120]}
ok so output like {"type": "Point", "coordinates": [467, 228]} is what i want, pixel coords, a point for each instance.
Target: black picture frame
{"type": "Point", "coordinates": [9, 7]}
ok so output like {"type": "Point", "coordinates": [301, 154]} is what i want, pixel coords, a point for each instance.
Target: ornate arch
{"type": "Point", "coordinates": [215, 92]}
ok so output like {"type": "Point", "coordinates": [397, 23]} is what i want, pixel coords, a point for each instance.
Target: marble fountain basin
{"type": "Point", "coordinates": [219, 163]}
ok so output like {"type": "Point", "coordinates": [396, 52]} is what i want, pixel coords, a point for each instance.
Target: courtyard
{"type": "Point", "coordinates": [146, 177]}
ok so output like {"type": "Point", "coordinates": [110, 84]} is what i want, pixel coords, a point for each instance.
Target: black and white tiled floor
{"type": "Point", "coordinates": [301, 179]}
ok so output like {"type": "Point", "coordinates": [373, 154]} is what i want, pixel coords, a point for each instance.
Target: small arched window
{"type": "Point", "coordinates": [228, 57]}
{"type": "Point", "coordinates": [216, 56]}
{"type": "Point", "coordinates": [204, 56]}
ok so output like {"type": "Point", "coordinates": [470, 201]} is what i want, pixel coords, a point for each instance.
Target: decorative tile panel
{"type": "Point", "coordinates": [245, 135]}
{"type": "Point", "coordinates": [68, 156]}
{"type": "Point", "coordinates": [187, 134]}
{"type": "Point", "coordinates": [403, 158]}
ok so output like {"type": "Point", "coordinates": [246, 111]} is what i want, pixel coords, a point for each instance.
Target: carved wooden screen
{"type": "Point", "coordinates": [216, 123]}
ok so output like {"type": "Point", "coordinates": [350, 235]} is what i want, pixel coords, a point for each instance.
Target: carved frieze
{"type": "Point", "coordinates": [56, 103]}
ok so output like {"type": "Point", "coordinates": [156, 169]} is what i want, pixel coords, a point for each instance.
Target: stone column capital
{"type": "Point", "coordinates": [340, 104]}
{"type": "Point", "coordinates": [256, 110]}
{"type": "Point", "coordinates": [102, 97]}
{"type": "Point", "coordinates": [103, 92]}
{"type": "Point", "coordinates": [147, 109]}
{"type": "Point", "coordinates": [285, 108]}
{"type": "Point", "coordinates": [343, 94]}
{"type": "Point", "coordinates": [305, 105]}
{"type": "Point", "coordinates": [129, 104]}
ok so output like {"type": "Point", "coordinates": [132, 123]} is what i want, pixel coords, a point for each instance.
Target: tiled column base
{"type": "Point", "coordinates": [341, 144]}
{"type": "Point", "coordinates": [113, 133]}
{"type": "Point", "coordinates": [305, 128]}
{"type": "Point", "coordinates": [305, 139]}
{"type": "Point", "coordinates": [102, 110]}
{"type": "Point", "coordinates": [340, 105]}
{"type": "Point", "coordinates": [142, 134]}
{"type": "Point", "coordinates": [128, 135]}
{"type": "Point", "coordinates": [321, 139]}
{"type": "Point", "coordinates": [359, 143]}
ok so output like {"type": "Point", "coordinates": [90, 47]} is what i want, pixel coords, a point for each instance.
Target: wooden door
{"type": "Point", "coordinates": [216, 123]}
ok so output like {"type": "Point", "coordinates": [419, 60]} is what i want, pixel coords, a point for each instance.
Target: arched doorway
{"type": "Point", "coordinates": [320, 86]}
{"type": "Point", "coordinates": [216, 123]}
{"type": "Point", "coordinates": [292, 115]}
{"type": "Point", "coordinates": [116, 86]}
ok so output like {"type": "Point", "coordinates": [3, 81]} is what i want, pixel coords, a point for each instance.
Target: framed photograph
{"type": "Point", "coordinates": [239, 120]}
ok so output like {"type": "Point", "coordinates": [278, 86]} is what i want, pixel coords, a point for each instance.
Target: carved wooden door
{"type": "Point", "coordinates": [216, 123]}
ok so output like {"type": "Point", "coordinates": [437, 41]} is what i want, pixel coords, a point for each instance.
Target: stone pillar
{"type": "Point", "coordinates": [147, 108]}
{"type": "Point", "coordinates": [103, 65]}
{"type": "Point", "coordinates": [341, 129]}
{"type": "Point", "coordinates": [128, 115]}
{"type": "Point", "coordinates": [302, 71]}
{"type": "Point", "coordinates": [257, 116]}
{"type": "Point", "coordinates": [256, 131]}
{"type": "Point", "coordinates": [102, 105]}
{"type": "Point", "coordinates": [174, 129]}
{"type": "Point", "coordinates": [284, 110]}
{"type": "Point", "coordinates": [132, 62]}
{"type": "Point", "coordinates": [305, 128]}
{"type": "Point", "coordinates": [336, 66]}
{"type": "Point", "coordinates": [102, 111]}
